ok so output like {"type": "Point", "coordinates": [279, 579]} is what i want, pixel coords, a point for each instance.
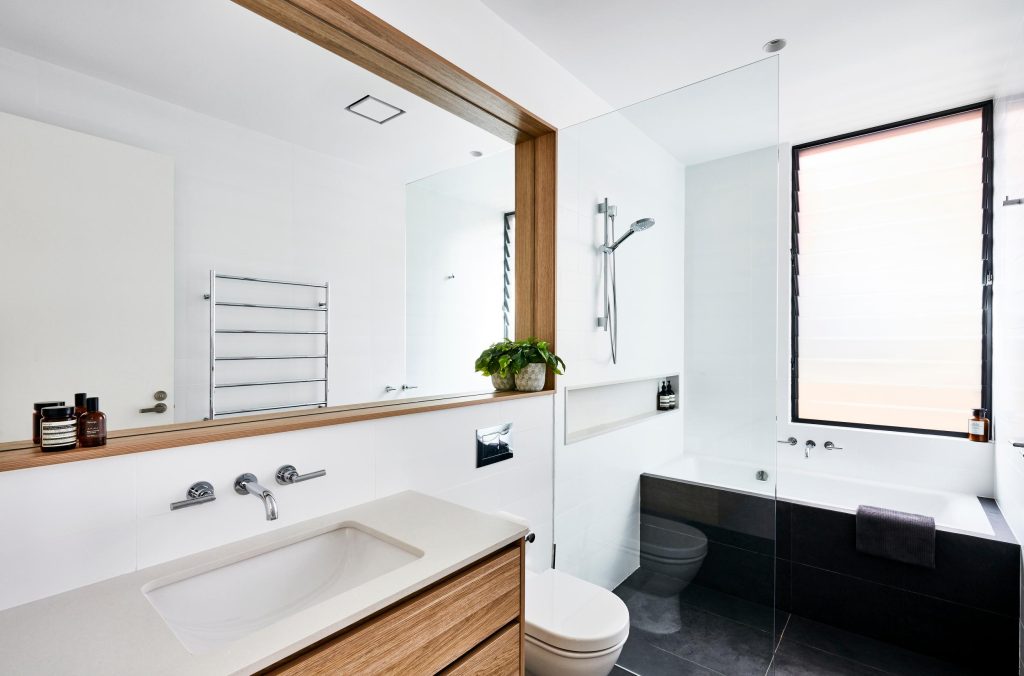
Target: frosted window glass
{"type": "Point", "coordinates": [889, 283]}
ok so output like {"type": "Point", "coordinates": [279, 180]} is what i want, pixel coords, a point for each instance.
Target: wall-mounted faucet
{"type": "Point", "coordinates": [247, 484]}
{"type": "Point", "coordinates": [808, 445]}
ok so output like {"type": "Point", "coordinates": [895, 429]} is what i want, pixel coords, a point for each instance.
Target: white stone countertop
{"type": "Point", "coordinates": [111, 628]}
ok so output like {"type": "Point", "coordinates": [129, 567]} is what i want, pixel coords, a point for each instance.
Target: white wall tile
{"type": "Point", "coordinates": [65, 526]}
{"type": "Point", "coordinates": [83, 522]}
{"type": "Point", "coordinates": [597, 480]}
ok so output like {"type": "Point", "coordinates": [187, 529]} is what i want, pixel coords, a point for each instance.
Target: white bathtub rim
{"type": "Point", "coordinates": [776, 489]}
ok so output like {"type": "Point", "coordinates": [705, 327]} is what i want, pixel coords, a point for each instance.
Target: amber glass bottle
{"type": "Point", "coordinates": [80, 398]}
{"type": "Point", "coordinates": [978, 426]}
{"type": "Point", "coordinates": [92, 426]}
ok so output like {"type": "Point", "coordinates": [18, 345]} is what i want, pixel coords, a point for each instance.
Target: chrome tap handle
{"type": "Point", "coordinates": [197, 494]}
{"type": "Point", "coordinates": [410, 387]}
{"type": "Point", "coordinates": [791, 441]}
{"type": "Point", "coordinates": [389, 388]}
{"type": "Point", "coordinates": [829, 446]}
{"type": "Point", "coordinates": [287, 474]}
{"type": "Point", "coordinates": [158, 408]}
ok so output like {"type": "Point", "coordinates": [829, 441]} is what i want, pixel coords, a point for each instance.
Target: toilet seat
{"type": "Point", "coordinates": [572, 617]}
{"type": "Point", "coordinates": [665, 540]}
{"type": "Point", "coordinates": [570, 654]}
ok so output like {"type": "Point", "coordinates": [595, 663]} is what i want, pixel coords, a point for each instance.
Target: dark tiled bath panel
{"type": "Point", "coordinates": [804, 560]}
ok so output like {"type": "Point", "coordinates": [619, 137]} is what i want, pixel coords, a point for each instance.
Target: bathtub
{"type": "Point", "coordinates": [953, 512]}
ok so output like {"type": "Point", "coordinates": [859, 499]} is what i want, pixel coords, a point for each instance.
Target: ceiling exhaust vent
{"type": "Point", "coordinates": [374, 109]}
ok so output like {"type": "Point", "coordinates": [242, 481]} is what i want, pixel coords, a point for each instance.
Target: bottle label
{"type": "Point", "coordinates": [976, 428]}
{"type": "Point", "coordinates": [58, 433]}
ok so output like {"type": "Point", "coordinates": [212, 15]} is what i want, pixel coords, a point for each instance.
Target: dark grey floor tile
{"type": "Point", "coordinates": [715, 642]}
{"type": "Point", "coordinates": [640, 657]}
{"type": "Point", "coordinates": [619, 671]}
{"type": "Point", "coordinates": [739, 610]}
{"type": "Point", "coordinates": [868, 651]}
{"type": "Point", "coordinates": [797, 659]}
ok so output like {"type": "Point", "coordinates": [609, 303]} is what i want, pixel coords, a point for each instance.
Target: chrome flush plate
{"type": "Point", "coordinates": [493, 444]}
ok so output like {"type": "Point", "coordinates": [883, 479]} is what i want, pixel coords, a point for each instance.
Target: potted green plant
{"type": "Point", "coordinates": [529, 361]}
{"type": "Point", "coordinates": [496, 362]}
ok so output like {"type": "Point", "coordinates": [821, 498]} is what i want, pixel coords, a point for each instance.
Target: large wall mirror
{"type": "Point", "coordinates": [246, 224]}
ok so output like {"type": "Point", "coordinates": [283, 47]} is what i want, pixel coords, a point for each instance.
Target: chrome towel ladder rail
{"type": "Point", "coordinates": [321, 307]}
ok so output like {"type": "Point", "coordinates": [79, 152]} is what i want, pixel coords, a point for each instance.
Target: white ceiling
{"type": "Point", "coordinates": [719, 117]}
{"type": "Point", "coordinates": [849, 65]}
{"type": "Point", "coordinates": [217, 58]}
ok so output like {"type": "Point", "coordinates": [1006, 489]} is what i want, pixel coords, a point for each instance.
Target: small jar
{"type": "Point", "coordinates": [37, 416]}
{"type": "Point", "coordinates": [978, 426]}
{"type": "Point", "coordinates": [58, 428]}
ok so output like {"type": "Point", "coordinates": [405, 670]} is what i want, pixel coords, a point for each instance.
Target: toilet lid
{"type": "Point", "coordinates": [572, 614]}
{"type": "Point", "coordinates": [672, 540]}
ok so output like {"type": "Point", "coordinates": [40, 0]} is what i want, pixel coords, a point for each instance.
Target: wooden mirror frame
{"type": "Point", "coordinates": [351, 32]}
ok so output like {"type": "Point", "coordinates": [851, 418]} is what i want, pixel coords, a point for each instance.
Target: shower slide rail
{"type": "Point", "coordinates": [322, 307]}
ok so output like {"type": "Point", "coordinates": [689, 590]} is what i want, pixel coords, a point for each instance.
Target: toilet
{"type": "Point", "coordinates": [672, 551]}
{"type": "Point", "coordinates": [573, 627]}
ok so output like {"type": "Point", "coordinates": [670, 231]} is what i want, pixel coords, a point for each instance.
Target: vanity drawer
{"type": "Point", "coordinates": [429, 631]}
{"type": "Point", "coordinates": [497, 656]}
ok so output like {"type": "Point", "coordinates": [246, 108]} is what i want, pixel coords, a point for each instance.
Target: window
{"type": "Point", "coordinates": [892, 273]}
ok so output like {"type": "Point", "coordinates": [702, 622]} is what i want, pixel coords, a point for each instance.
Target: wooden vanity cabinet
{"type": "Point", "coordinates": [469, 624]}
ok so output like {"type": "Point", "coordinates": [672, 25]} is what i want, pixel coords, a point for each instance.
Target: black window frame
{"type": "Point", "coordinates": [988, 272]}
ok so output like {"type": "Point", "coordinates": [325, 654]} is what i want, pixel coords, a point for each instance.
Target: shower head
{"type": "Point", "coordinates": [636, 226]}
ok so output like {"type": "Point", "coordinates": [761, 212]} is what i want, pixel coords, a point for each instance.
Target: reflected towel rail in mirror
{"type": "Point", "coordinates": [320, 308]}
{"type": "Point", "coordinates": [312, 404]}
{"type": "Point", "coordinates": [274, 382]}
{"type": "Point", "coordinates": [274, 356]}
{"type": "Point", "coordinates": [271, 281]}
{"type": "Point", "coordinates": [317, 304]}
{"type": "Point", "coordinates": [280, 333]}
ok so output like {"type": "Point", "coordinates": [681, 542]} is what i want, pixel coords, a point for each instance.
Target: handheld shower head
{"type": "Point", "coordinates": [636, 226]}
{"type": "Point", "coordinates": [642, 224]}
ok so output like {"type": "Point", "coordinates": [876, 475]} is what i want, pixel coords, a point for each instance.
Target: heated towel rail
{"type": "Point", "coordinates": [322, 307]}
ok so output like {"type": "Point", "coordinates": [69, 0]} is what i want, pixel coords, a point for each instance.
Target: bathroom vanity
{"type": "Point", "coordinates": [407, 581]}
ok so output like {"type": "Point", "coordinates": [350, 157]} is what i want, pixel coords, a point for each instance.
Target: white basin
{"type": "Point", "coordinates": [217, 606]}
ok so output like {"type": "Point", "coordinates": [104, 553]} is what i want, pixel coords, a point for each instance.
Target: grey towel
{"type": "Point", "coordinates": [899, 536]}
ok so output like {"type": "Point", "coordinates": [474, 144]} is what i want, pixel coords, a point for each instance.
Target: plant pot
{"type": "Point", "coordinates": [502, 383]}
{"type": "Point", "coordinates": [531, 378]}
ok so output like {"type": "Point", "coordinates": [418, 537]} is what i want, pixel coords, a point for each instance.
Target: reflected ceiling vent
{"type": "Point", "coordinates": [374, 109]}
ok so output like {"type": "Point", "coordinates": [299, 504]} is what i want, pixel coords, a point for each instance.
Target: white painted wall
{"type": "Point", "coordinates": [730, 313]}
{"type": "Point", "coordinates": [597, 480]}
{"type": "Point", "coordinates": [1008, 311]}
{"type": "Point", "coordinates": [86, 521]}
{"type": "Point", "coordinates": [79, 215]}
{"type": "Point", "coordinates": [246, 203]}
{"type": "Point", "coordinates": [455, 224]}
